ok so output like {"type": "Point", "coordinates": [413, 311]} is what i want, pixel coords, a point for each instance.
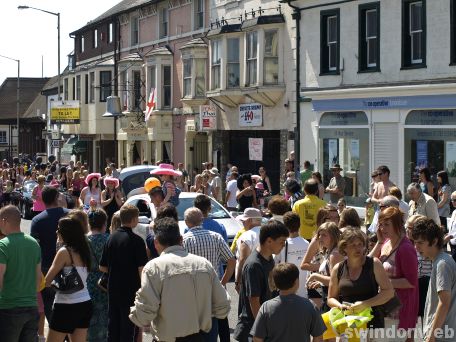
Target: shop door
{"type": "Point", "coordinates": [200, 154]}
{"type": "Point", "coordinates": [430, 154]}
{"type": "Point", "coordinates": [239, 154]}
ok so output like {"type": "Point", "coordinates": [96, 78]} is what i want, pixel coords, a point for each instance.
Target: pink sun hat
{"type": "Point", "coordinates": [256, 177]}
{"type": "Point", "coordinates": [166, 169]}
{"type": "Point", "coordinates": [113, 180]}
{"type": "Point", "coordinates": [93, 175]}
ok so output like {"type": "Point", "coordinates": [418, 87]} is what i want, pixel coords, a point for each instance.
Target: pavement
{"type": "Point", "coordinates": [232, 318]}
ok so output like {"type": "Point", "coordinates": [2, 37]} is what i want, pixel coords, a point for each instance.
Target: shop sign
{"type": "Point", "coordinates": [65, 112]}
{"type": "Point", "coordinates": [251, 115]}
{"type": "Point", "coordinates": [256, 149]}
{"type": "Point", "coordinates": [431, 117]}
{"type": "Point", "coordinates": [208, 118]}
{"type": "Point", "coordinates": [56, 143]}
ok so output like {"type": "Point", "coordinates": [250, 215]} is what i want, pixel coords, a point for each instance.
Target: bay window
{"type": "Point", "coordinates": [251, 57]}
{"type": "Point", "coordinates": [271, 57]}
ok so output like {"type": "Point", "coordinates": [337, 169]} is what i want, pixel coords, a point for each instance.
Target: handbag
{"type": "Point", "coordinates": [68, 283]}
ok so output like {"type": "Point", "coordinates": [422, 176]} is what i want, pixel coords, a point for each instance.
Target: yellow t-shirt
{"type": "Point", "coordinates": [307, 209]}
{"type": "Point", "coordinates": [234, 244]}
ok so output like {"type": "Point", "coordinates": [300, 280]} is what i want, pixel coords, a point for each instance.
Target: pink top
{"type": "Point", "coordinates": [403, 263]}
{"type": "Point", "coordinates": [38, 204]}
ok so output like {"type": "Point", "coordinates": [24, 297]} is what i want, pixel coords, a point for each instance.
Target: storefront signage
{"type": "Point", "coordinates": [256, 149]}
{"type": "Point", "coordinates": [343, 119]}
{"type": "Point", "coordinates": [431, 117]}
{"type": "Point", "coordinates": [251, 115]}
{"type": "Point", "coordinates": [65, 112]}
{"type": "Point", "coordinates": [208, 118]}
{"type": "Point", "coordinates": [413, 102]}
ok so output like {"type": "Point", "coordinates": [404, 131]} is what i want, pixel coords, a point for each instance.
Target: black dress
{"type": "Point", "coordinates": [111, 208]}
{"type": "Point", "coordinates": [245, 202]}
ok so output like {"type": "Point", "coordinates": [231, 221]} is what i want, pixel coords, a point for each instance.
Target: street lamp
{"type": "Point", "coordinates": [17, 99]}
{"type": "Point", "coordinates": [58, 52]}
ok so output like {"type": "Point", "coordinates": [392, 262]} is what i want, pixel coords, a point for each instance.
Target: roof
{"type": "Point", "coordinates": [30, 89]}
{"type": "Point", "coordinates": [121, 7]}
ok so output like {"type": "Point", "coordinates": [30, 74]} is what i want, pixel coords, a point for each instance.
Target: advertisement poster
{"type": "Point", "coordinates": [251, 115]}
{"type": "Point", "coordinates": [208, 118]}
{"type": "Point", "coordinates": [354, 153]}
{"type": "Point", "coordinates": [65, 112]}
{"type": "Point", "coordinates": [450, 155]}
{"type": "Point", "coordinates": [256, 149]}
{"type": "Point", "coordinates": [421, 153]}
{"type": "Point", "coordinates": [333, 152]}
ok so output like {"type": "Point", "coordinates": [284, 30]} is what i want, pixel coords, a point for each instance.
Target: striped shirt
{"type": "Point", "coordinates": [208, 245]}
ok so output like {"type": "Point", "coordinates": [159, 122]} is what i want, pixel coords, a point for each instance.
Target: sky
{"type": "Point", "coordinates": [30, 35]}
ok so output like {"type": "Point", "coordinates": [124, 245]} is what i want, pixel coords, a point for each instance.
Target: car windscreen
{"type": "Point", "coordinates": [217, 211]}
{"type": "Point", "coordinates": [28, 187]}
{"type": "Point", "coordinates": [134, 181]}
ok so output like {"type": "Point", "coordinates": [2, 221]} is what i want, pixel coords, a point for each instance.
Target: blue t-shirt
{"type": "Point", "coordinates": [213, 226]}
{"type": "Point", "coordinates": [44, 230]}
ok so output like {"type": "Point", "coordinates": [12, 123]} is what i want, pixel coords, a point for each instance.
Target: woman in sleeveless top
{"type": "Point", "coordinates": [426, 184]}
{"type": "Point", "coordinates": [328, 235]}
{"type": "Point", "coordinates": [359, 281]}
{"type": "Point", "coordinates": [245, 197]}
{"type": "Point", "coordinates": [265, 180]}
{"type": "Point", "coordinates": [400, 262]}
{"type": "Point", "coordinates": [38, 204]}
{"type": "Point", "coordinates": [91, 191]}
{"type": "Point", "coordinates": [111, 198]}
{"type": "Point", "coordinates": [71, 313]}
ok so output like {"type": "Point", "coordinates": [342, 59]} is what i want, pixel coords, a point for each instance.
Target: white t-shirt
{"type": "Point", "coordinates": [297, 248]}
{"type": "Point", "coordinates": [232, 188]}
{"type": "Point", "coordinates": [251, 238]}
{"type": "Point", "coordinates": [216, 182]}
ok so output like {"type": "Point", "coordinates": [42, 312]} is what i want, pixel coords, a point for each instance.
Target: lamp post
{"type": "Point", "coordinates": [58, 52]}
{"type": "Point", "coordinates": [17, 100]}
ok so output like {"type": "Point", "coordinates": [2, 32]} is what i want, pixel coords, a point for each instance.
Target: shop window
{"type": "Point", "coordinates": [216, 60]}
{"type": "Point", "coordinates": [92, 87]}
{"type": "Point", "coordinates": [78, 87]}
{"type": "Point", "coordinates": [134, 31]}
{"type": "Point", "coordinates": [187, 65]}
{"type": "Point", "coordinates": [344, 140]}
{"type": "Point", "coordinates": [105, 85]}
{"type": "Point", "coordinates": [369, 37]}
{"type": "Point", "coordinates": [329, 41]}
{"type": "Point", "coordinates": [453, 31]}
{"type": "Point", "coordinates": [413, 33]}
{"type": "Point", "coordinates": [252, 58]}
{"type": "Point", "coordinates": [271, 57]}
{"type": "Point", "coordinates": [430, 141]}
{"type": "Point", "coordinates": [232, 62]}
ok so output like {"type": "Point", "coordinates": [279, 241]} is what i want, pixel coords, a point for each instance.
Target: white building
{"type": "Point", "coordinates": [381, 77]}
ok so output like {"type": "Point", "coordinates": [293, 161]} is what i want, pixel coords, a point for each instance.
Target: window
{"type": "Point", "coordinates": [329, 42]}
{"type": "Point", "coordinates": [92, 87]}
{"type": "Point", "coordinates": [134, 31]}
{"type": "Point", "coordinates": [95, 38]}
{"type": "Point", "coordinates": [252, 51]}
{"type": "Point", "coordinates": [137, 89]}
{"type": "Point", "coordinates": [81, 46]}
{"type": "Point", "coordinates": [110, 32]}
{"type": "Point", "coordinates": [271, 57]}
{"type": "Point", "coordinates": [199, 14]}
{"type": "Point", "coordinates": [216, 60]}
{"type": "Point", "coordinates": [152, 77]}
{"type": "Point", "coordinates": [65, 89]}
{"type": "Point", "coordinates": [413, 33]}
{"type": "Point", "coordinates": [163, 23]}
{"type": "Point", "coordinates": [369, 37]}
{"type": "Point", "coordinates": [232, 62]}
{"type": "Point", "coordinates": [166, 87]}
{"type": "Point", "coordinates": [73, 81]}
{"type": "Point", "coordinates": [78, 87]}
{"type": "Point", "coordinates": [187, 77]}
{"type": "Point", "coordinates": [86, 88]}
{"type": "Point", "coordinates": [453, 32]}
{"type": "Point", "coordinates": [200, 77]}
{"type": "Point", "coordinates": [3, 137]}
{"type": "Point", "coordinates": [105, 85]}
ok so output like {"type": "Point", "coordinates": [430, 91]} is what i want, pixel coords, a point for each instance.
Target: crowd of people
{"type": "Point", "coordinates": [96, 274]}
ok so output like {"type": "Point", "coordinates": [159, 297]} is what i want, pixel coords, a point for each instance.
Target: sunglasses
{"type": "Point", "coordinates": [383, 206]}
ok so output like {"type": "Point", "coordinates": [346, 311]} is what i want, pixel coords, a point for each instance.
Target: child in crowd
{"type": "Point", "coordinates": [287, 317]}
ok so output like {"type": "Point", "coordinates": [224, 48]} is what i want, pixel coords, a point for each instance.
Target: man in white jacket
{"type": "Point", "coordinates": [180, 292]}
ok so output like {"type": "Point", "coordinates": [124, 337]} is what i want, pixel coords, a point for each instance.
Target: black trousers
{"type": "Point", "coordinates": [120, 328]}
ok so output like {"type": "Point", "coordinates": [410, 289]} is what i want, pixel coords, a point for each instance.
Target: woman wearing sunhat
{"type": "Point", "coordinates": [111, 198]}
{"type": "Point", "coordinates": [92, 191]}
{"type": "Point", "coordinates": [170, 190]}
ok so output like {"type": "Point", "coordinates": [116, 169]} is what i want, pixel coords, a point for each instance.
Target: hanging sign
{"type": "Point", "coordinates": [208, 118]}
{"type": "Point", "coordinates": [251, 115]}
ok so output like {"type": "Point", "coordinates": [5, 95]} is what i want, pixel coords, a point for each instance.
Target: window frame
{"type": "Point", "coordinates": [92, 87]}
{"type": "Point", "coordinates": [198, 77]}
{"type": "Point", "coordinates": [95, 38]}
{"type": "Point", "coordinates": [65, 89]}
{"type": "Point", "coordinates": [110, 33]}
{"type": "Point", "coordinates": [276, 57]}
{"type": "Point", "coordinates": [136, 89]}
{"type": "Point", "coordinates": [187, 78]}
{"type": "Point", "coordinates": [3, 137]}
{"type": "Point", "coordinates": [231, 63]}
{"type": "Point", "coordinates": [86, 88]}
{"type": "Point", "coordinates": [363, 49]}
{"type": "Point", "coordinates": [407, 58]}
{"type": "Point", "coordinates": [216, 67]}
{"type": "Point", "coordinates": [105, 88]}
{"type": "Point", "coordinates": [452, 32]}
{"type": "Point", "coordinates": [134, 31]}
{"type": "Point", "coordinates": [197, 13]}
{"type": "Point", "coordinates": [163, 25]}
{"type": "Point", "coordinates": [250, 58]}
{"type": "Point", "coordinates": [164, 86]}
{"type": "Point", "coordinates": [78, 87]}
{"type": "Point", "coordinates": [325, 68]}
{"type": "Point", "coordinates": [82, 44]}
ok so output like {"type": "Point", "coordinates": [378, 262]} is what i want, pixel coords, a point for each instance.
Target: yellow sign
{"type": "Point", "coordinates": [65, 112]}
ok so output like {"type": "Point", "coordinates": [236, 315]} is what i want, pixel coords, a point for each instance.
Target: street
{"type": "Point", "coordinates": [25, 227]}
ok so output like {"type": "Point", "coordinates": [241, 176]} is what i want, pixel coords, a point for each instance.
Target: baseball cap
{"type": "Point", "coordinates": [250, 213]}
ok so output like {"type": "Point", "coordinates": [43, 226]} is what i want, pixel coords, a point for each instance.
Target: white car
{"type": "Point", "coordinates": [134, 177]}
{"type": "Point", "coordinates": [186, 199]}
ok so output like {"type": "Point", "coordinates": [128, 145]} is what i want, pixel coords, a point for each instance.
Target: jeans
{"type": "Point", "coordinates": [48, 295]}
{"type": "Point", "coordinates": [19, 324]}
{"type": "Point", "coordinates": [120, 328]}
{"type": "Point", "coordinates": [224, 330]}
{"type": "Point", "coordinates": [211, 336]}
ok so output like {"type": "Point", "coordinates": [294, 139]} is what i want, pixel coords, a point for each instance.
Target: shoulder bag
{"type": "Point", "coordinates": [68, 283]}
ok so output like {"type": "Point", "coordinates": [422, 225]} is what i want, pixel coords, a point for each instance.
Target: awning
{"type": "Point", "coordinates": [74, 146]}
